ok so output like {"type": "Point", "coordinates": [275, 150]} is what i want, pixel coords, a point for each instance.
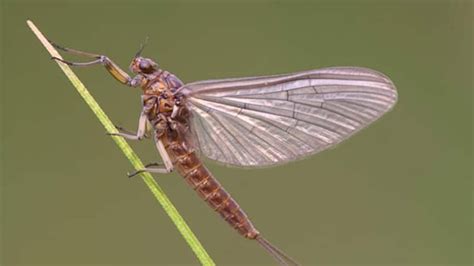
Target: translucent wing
{"type": "Point", "coordinates": [262, 121]}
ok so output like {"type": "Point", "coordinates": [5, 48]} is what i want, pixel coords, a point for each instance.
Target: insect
{"type": "Point", "coordinates": [246, 122]}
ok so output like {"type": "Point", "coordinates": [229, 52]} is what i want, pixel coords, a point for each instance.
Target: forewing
{"type": "Point", "coordinates": [262, 121]}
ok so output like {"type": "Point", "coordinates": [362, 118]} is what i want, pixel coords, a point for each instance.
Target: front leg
{"type": "Point", "coordinates": [109, 65]}
{"type": "Point", "coordinates": [140, 132]}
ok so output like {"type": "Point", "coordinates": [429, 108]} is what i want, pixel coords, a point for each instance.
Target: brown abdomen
{"type": "Point", "coordinates": [200, 179]}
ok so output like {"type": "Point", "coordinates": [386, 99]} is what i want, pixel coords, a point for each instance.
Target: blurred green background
{"type": "Point", "coordinates": [398, 193]}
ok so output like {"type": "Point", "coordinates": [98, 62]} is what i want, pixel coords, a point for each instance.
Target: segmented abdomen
{"type": "Point", "coordinates": [200, 179]}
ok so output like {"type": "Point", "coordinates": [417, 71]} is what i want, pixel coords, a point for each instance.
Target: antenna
{"type": "Point", "coordinates": [142, 46]}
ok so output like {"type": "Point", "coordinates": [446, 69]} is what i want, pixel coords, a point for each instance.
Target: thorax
{"type": "Point", "coordinates": [159, 100]}
{"type": "Point", "coordinates": [158, 93]}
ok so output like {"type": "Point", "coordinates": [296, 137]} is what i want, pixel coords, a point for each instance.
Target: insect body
{"type": "Point", "coordinates": [172, 129]}
{"type": "Point", "coordinates": [247, 122]}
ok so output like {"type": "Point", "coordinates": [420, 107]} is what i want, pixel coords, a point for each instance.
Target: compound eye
{"type": "Point", "coordinates": [144, 65]}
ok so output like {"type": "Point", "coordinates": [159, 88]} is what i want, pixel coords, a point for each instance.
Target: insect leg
{"type": "Point", "coordinates": [163, 168]}
{"type": "Point", "coordinates": [73, 51]}
{"type": "Point", "coordinates": [175, 111]}
{"type": "Point", "coordinates": [154, 164]}
{"type": "Point", "coordinates": [148, 168]}
{"type": "Point", "coordinates": [157, 170]}
{"type": "Point", "coordinates": [140, 132]}
{"type": "Point", "coordinates": [164, 155]}
{"type": "Point", "coordinates": [124, 130]}
{"type": "Point", "coordinates": [111, 67]}
{"type": "Point", "coordinates": [91, 63]}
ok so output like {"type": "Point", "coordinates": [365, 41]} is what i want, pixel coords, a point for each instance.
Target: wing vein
{"type": "Point", "coordinates": [261, 121]}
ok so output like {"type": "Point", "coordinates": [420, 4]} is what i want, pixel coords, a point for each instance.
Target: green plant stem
{"type": "Point", "coordinates": [169, 208]}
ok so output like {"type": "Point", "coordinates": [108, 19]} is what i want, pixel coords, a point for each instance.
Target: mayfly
{"type": "Point", "coordinates": [246, 122]}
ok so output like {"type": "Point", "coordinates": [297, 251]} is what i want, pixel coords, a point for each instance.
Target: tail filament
{"type": "Point", "coordinates": [276, 253]}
